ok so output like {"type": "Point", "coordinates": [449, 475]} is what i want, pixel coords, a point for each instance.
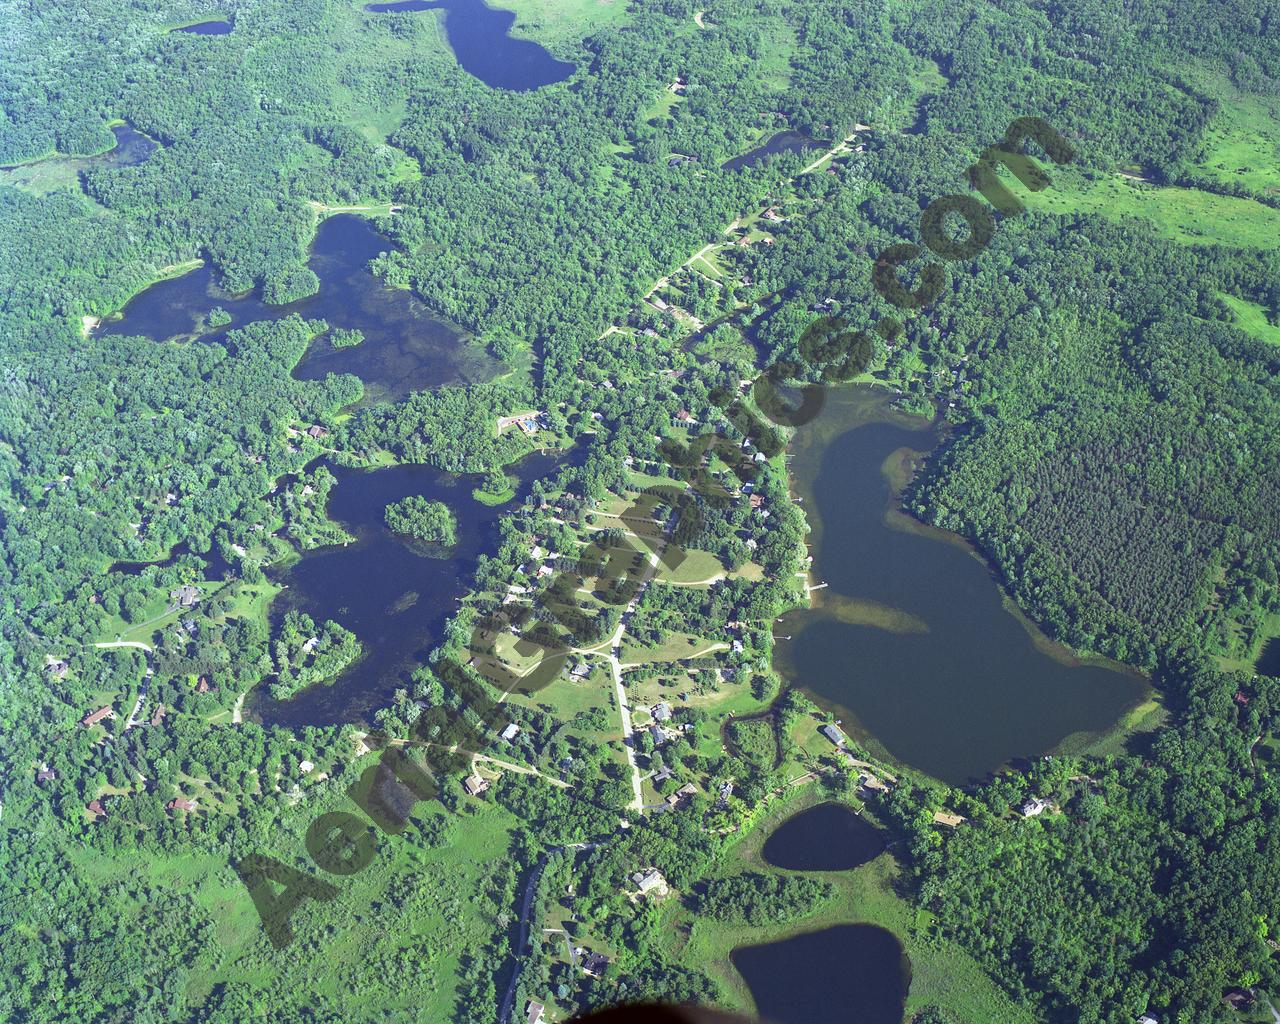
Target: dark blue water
{"type": "Point", "coordinates": [848, 974]}
{"type": "Point", "coordinates": [782, 142]}
{"type": "Point", "coordinates": [131, 148]}
{"type": "Point", "coordinates": [406, 349]}
{"type": "Point", "coordinates": [392, 597]}
{"type": "Point", "coordinates": [480, 37]}
{"type": "Point", "coordinates": [208, 28]}
{"type": "Point", "coordinates": [911, 643]}
{"type": "Point", "coordinates": [829, 837]}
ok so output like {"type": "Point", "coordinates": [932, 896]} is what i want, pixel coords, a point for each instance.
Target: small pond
{"type": "Point", "coordinates": [480, 37]}
{"type": "Point", "coordinates": [847, 974]}
{"type": "Point", "coordinates": [782, 142]}
{"type": "Point", "coordinates": [829, 837]}
{"type": "Point", "coordinates": [208, 28]}
{"type": "Point", "coordinates": [406, 348]}
{"type": "Point", "coordinates": [132, 147]}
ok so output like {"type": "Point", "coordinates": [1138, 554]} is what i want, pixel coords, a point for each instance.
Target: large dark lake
{"type": "Point", "coordinates": [829, 837]}
{"type": "Point", "coordinates": [406, 349]}
{"type": "Point", "coordinates": [480, 37]}
{"type": "Point", "coordinates": [394, 599]}
{"type": "Point", "coordinates": [847, 974]}
{"type": "Point", "coordinates": [911, 643]}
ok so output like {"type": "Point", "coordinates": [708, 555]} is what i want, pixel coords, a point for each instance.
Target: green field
{"type": "Point", "coordinates": [1252, 319]}
{"type": "Point", "coordinates": [1242, 142]}
{"type": "Point", "coordinates": [1189, 216]}
{"type": "Point", "coordinates": [419, 935]}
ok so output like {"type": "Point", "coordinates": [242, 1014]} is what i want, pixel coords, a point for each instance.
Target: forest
{"type": "Point", "coordinates": [1112, 451]}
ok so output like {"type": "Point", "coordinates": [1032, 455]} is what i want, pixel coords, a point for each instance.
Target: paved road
{"type": "Point", "coordinates": [526, 904]}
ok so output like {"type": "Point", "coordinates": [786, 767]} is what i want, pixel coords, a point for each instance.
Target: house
{"type": "Point", "coordinates": [593, 964]}
{"type": "Point", "coordinates": [311, 644]}
{"type": "Point", "coordinates": [664, 774]}
{"type": "Point", "coordinates": [660, 711]}
{"type": "Point", "coordinates": [682, 795]}
{"type": "Point", "coordinates": [203, 685]}
{"type": "Point", "coordinates": [833, 734]}
{"type": "Point", "coordinates": [157, 716]}
{"type": "Point", "coordinates": [1147, 1018]}
{"type": "Point", "coordinates": [57, 669]}
{"type": "Point", "coordinates": [737, 647]}
{"type": "Point", "coordinates": [1034, 806]}
{"type": "Point", "coordinates": [534, 1012]}
{"type": "Point", "coordinates": [659, 737]}
{"type": "Point", "coordinates": [580, 671]}
{"type": "Point", "coordinates": [510, 732]}
{"type": "Point", "coordinates": [93, 718]}
{"type": "Point", "coordinates": [46, 774]}
{"type": "Point", "coordinates": [180, 803]}
{"type": "Point", "coordinates": [474, 785]}
{"type": "Point", "coordinates": [725, 791]}
{"type": "Point", "coordinates": [650, 881]}
{"type": "Point", "coordinates": [317, 431]}
{"type": "Point", "coordinates": [95, 809]}
{"type": "Point", "coordinates": [306, 767]}
{"type": "Point", "coordinates": [185, 595]}
{"type": "Point", "coordinates": [1238, 999]}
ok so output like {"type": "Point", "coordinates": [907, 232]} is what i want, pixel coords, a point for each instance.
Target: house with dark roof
{"type": "Point", "coordinates": [593, 964]}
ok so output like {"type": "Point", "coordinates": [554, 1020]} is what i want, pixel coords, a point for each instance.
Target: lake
{"type": "Point", "coordinates": [829, 837]}
{"type": "Point", "coordinates": [207, 28]}
{"type": "Point", "coordinates": [406, 348]}
{"type": "Point", "coordinates": [847, 974]}
{"type": "Point", "coordinates": [911, 643]}
{"type": "Point", "coordinates": [480, 38]}
{"type": "Point", "coordinates": [782, 142]}
{"type": "Point", "coordinates": [393, 598]}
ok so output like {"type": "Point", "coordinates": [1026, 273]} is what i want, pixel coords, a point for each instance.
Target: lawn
{"type": "Point", "coordinates": [1184, 215]}
{"type": "Point", "coordinates": [698, 566]}
{"type": "Point", "coordinates": [941, 972]}
{"type": "Point", "coordinates": [675, 647]}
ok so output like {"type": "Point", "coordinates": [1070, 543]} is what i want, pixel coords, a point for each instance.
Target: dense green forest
{"type": "Point", "coordinates": [1113, 450]}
